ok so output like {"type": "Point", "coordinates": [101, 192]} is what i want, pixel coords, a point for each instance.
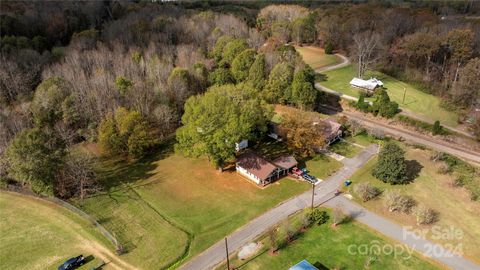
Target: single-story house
{"type": "Point", "coordinates": [286, 163]}
{"type": "Point", "coordinates": [261, 171]}
{"type": "Point", "coordinates": [332, 130]}
{"type": "Point", "coordinates": [369, 85]}
{"type": "Point", "coordinates": [303, 265]}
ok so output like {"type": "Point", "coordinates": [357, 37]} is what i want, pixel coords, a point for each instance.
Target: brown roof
{"type": "Point", "coordinates": [256, 165]}
{"type": "Point", "coordinates": [331, 128]}
{"type": "Point", "coordinates": [285, 162]}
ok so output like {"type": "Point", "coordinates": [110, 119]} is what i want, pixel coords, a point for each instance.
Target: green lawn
{"type": "Point", "coordinates": [316, 57]}
{"type": "Point", "coordinates": [168, 208]}
{"type": "Point", "coordinates": [36, 234]}
{"type": "Point", "coordinates": [322, 166]}
{"type": "Point", "coordinates": [419, 102]}
{"type": "Point", "coordinates": [345, 149]}
{"type": "Point", "coordinates": [434, 190]}
{"type": "Point", "coordinates": [327, 246]}
{"type": "Point", "coordinates": [362, 139]}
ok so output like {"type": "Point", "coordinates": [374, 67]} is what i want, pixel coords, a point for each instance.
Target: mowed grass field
{"type": "Point", "coordinates": [168, 208]}
{"type": "Point", "coordinates": [416, 101]}
{"type": "Point", "coordinates": [316, 57]}
{"type": "Point", "coordinates": [436, 191]}
{"type": "Point", "coordinates": [36, 234]}
{"type": "Point", "coordinates": [329, 247]}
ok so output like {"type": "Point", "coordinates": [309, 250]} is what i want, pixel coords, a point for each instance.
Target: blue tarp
{"type": "Point", "coordinates": [303, 265]}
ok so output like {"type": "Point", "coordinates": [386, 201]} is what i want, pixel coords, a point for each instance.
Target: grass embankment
{"type": "Point", "coordinates": [36, 234]}
{"type": "Point", "coordinates": [436, 191]}
{"type": "Point", "coordinates": [167, 208]}
{"type": "Point", "coordinates": [328, 248]}
{"type": "Point", "coordinates": [316, 57]}
{"type": "Point", "coordinates": [416, 101]}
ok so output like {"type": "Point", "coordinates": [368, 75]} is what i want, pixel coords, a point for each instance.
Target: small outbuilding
{"type": "Point", "coordinates": [368, 85]}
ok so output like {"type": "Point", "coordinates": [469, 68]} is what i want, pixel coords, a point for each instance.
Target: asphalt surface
{"type": "Point", "coordinates": [246, 234]}
{"type": "Point", "coordinates": [429, 249]}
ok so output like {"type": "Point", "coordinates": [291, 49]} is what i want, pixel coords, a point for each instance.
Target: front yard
{"type": "Point", "coordinates": [332, 248]}
{"type": "Point", "coordinates": [168, 208]}
{"type": "Point", "coordinates": [435, 190]}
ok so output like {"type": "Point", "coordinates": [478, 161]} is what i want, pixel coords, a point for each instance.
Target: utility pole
{"type": "Point", "coordinates": [226, 250]}
{"type": "Point", "coordinates": [313, 194]}
{"type": "Point", "coordinates": [404, 93]}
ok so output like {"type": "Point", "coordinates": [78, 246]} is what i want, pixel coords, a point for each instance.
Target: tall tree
{"type": "Point", "coordinates": [241, 64]}
{"type": "Point", "coordinates": [304, 93]}
{"type": "Point", "coordinates": [304, 133]}
{"type": "Point", "coordinates": [278, 87]}
{"type": "Point", "coordinates": [215, 121]}
{"type": "Point", "coordinates": [34, 157]}
{"type": "Point", "coordinates": [256, 74]}
{"type": "Point", "coordinates": [460, 43]}
{"type": "Point", "coordinates": [467, 92]}
{"type": "Point", "coordinates": [47, 102]}
{"type": "Point", "coordinates": [232, 49]}
{"type": "Point", "coordinates": [366, 46]}
{"type": "Point", "coordinates": [125, 132]}
{"type": "Point", "coordinates": [391, 167]}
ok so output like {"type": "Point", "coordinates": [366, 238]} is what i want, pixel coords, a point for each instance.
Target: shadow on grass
{"type": "Point", "coordinates": [320, 266]}
{"type": "Point", "coordinates": [413, 170]}
{"type": "Point", "coordinates": [271, 149]}
{"type": "Point", "coordinates": [116, 171]}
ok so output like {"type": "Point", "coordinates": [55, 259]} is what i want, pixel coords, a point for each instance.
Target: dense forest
{"type": "Point", "coordinates": [120, 73]}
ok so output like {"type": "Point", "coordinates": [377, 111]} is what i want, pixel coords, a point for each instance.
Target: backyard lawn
{"type": "Point", "coordinates": [328, 247]}
{"type": "Point", "coordinates": [316, 57]}
{"type": "Point", "coordinates": [363, 139]}
{"type": "Point", "coordinates": [168, 208]}
{"type": "Point", "coordinates": [416, 101]}
{"type": "Point", "coordinates": [36, 234]}
{"type": "Point", "coordinates": [436, 191]}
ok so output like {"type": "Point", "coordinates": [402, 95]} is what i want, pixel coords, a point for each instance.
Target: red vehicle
{"type": "Point", "coordinates": [297, 171]}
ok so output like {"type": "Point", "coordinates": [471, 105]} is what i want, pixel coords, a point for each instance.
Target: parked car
{"type": "Point", "coordinates": [297, 171]}
{"type": "Point", "coordinates": [309, 178]}
{"type": "Point", "coordinates": [72, 263]}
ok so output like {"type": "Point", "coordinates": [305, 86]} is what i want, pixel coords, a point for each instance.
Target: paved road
{"type": "Point", "coordinates": [246, 234]}
{"type": "Point", "coordinates": [397, 232]}
{"type": "Point", "coordinates": [345, 62]}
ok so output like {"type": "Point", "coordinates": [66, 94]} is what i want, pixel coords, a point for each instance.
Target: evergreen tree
{"type": "Point", "coordinates": [304, 93]}
{"type": "Point", "coordinates": [391, 167]}
{"type": "Point", "coordinates": [256, 74]}
{"type": "Point", "coordinates": [278, 87]}
{"type": "Point", "coordinates": [242, 63]}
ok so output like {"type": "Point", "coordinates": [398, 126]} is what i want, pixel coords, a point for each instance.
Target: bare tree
{"type": "Point", "coordinates": [366, 47]}
{"type": "Point", "coordinates": [77, 178]}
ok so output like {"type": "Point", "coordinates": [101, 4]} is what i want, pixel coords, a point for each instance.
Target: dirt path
{"type": "Point", "coordinates": [112, 261]}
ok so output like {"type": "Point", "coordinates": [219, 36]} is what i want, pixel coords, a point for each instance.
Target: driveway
{"type": "Point", "coordinates": [246, 234]}
{"type": "Point", "coordinates": [392, 230]}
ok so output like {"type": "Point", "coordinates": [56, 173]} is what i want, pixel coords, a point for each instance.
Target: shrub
{"type": "Point", "coordinates": [338, 216]}
{"type": "Point", "coordinates": [398, 202]}
{"type": "Point", "coordinates": [425, 215]}
{"type": "Point", "coordinates": [317, 216]}
{"type": "Point", "coordinates": [437, 128]}
{"type": "Point", "coordinates": [329, 48]}
{"type": "Point", "coordinates": [366, 191]}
